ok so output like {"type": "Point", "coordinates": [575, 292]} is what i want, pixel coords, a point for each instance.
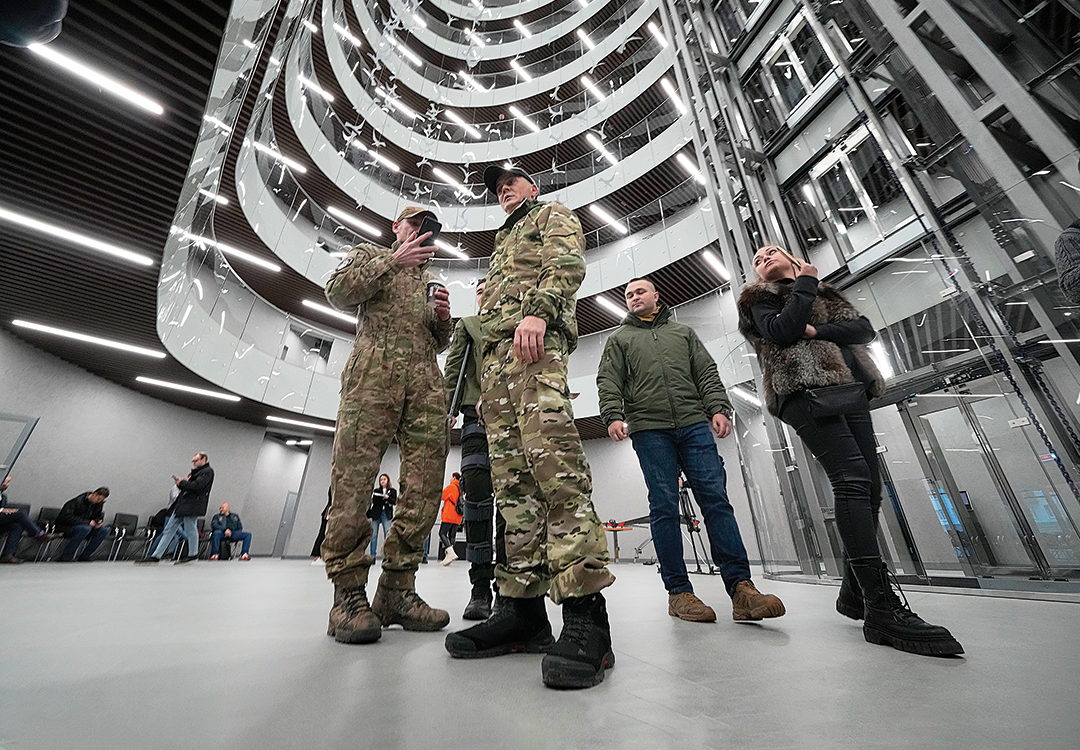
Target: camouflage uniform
{"type": "Point", "coordinates": [555, 542]}
{"type": "Point", "coordinates": [390, 387]}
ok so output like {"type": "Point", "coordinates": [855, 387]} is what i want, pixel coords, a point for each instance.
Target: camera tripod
{"type": "Point", "coordinates": [688, 517]}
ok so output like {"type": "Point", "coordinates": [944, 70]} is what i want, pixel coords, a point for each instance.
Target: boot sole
{"type": "Point", "coordinates": [455, 645]}
{"type": "Point", "coordinates": [417, 627]}
{"type": "Point", "coordinates": [357, 636]}
{"type": "Point", "coordinates": [710, 617]}
{"type": "Point", "coordinates": [854, 613]}
{"type": "Point", "coordinates": [476, 616]}
{"type": "Point", "coordinates": [761, 613]}
{"type": "Point", "coordinates": [936, 647]}
{"type": "Point", "coordinates": [561, 673]}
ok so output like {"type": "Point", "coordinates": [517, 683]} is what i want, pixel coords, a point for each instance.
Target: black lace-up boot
{"type": "Point", "coordinates": [849, 602]}
{"type": "Point", "coordinates": [515, 626]}
{"type": "Point", "coordinates": [583, 653]}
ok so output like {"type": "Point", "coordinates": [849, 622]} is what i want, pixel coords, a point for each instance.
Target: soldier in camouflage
{"type": "Point", "coordinates": [555, 542]}
{"type": "Point", "coordinates": [391, 387]}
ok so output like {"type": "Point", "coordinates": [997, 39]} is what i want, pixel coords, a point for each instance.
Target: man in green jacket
{"type": "Point", "coordinates": [465, 353]}
{"type": "Point", "coordinates": [659, 386]}
{"type": "Point", "coordinates": [555, 542]}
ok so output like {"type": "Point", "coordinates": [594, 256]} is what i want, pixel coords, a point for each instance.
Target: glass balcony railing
{"type": "Point", "coordinates": [459, 34]}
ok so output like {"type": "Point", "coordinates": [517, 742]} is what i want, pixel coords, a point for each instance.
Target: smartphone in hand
{"type": "Point", "coordinates": [429, 224]}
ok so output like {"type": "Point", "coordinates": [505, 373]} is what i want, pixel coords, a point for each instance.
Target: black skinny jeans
{"type": "Point", "coordinates": [844, 445]}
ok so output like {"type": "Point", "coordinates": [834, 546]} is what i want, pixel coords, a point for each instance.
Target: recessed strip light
{"type": "Point", "coordinates": [217, 123]}
{"type": "Point", "coordinates": [355, 221]}
{"type": "Point", "coordinates": [521, 27]}
{"type": "Point", "coordinates": [298, 442]}
{"type": "Point", "coordinates": [656, 32]}
{"type": "Point", "coordinates": [273, 60]}
{"type": "Point", "coordinates": [475, 37]}
{"type": "Point", "coordinates": [233, 252]}
{"type": "Point", "coordinates": [188, 388]}
{"type": "Point", "coordinates": [249, 44]}
{"type": "Point", "coordinates": [520, 70]}
{"type": "Point", "coordinates": [711, 258]}
{"type": "Point", "coordinates": [74, 237]}
{"type": "Point", "coordinates": [945, 351]}
{"type": "Point", "coordinates": [470, 80]}
{"type": "Point", "coordinates": [298, 423]}
{"type": "Point", "coordinates": [608, 219]}
{"type": "Point", "coordinates": [330, 311]}
{"type": "Point", "coordinates": [441, 174]}
{"type": "Point", "coordinates": [689, 166]}
{"type": "Point", "coordinates": [420, 21]}
{"type": "Point", "coordinates": [214, 196]}
{"type": "Point", "coordinates": [309, 26]}
{"type": "Point", "coordinates": [521, 116]}
{"type": "Point", "coordinates": [409, 54]}
{"type": "Point", "coordinates": [583, 3]}
{"type": "Point", "coordinates": [310, 84]}
{"type": "Point", "coordinates": [596, 143]}
{"type": "Point", "coordinates": [585, 38]}
{"type": "Point", "coordinates": [457, 251]}
{"type": "Point", "coordinates": [294, 165]}
{"type": "Point", "coordinates": [673, 94]}
{"type": "Point", "coordinates": [593, 88]}
{"type": "Point", "coordinates": [746, 396]}
{"type": "Point", "coordinates": [468, 128]}
{"type": "Point", "coordinates": [376, 155]}
{"type": "Point", "coordinates": [1059, 341]}
{"type": "Point", "coordinates": [100, 80]}
{"type": "Point", "coordinates": [348, 35]}
{"type": "Point", "coordinates": [396, 104]}
{"type": "Point", "coordinates": [89, 339]}
{"type": "Point", "coordinates": [611, 307]}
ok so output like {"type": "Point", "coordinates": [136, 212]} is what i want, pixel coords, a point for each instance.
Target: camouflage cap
{"type": "Point", "coordinates": [411, 212]}
{"type": "Point", "coordinates": [494, 173]}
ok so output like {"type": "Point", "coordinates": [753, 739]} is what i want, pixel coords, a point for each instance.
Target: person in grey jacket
{"type": "Point", "coordinates": [1067, 255]}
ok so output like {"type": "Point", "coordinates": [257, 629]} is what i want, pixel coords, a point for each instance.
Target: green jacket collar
{"type": "Point", "coordinates": [519, 213]}
{"type": "Point", "coordinates": [663, 313]}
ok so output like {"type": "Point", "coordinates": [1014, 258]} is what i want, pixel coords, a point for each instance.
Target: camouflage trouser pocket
{"type": "Point", "coordinates": [553, 399]}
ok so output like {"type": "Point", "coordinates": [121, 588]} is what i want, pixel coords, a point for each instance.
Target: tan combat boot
{"type": "Point", "coordinates": [750, 604]}
{"type": "Point", "coordinates": [405, 607]}
{"type": "Point", "coordinates": [688, 607]}
{"type": "Point", "coordinates": [351, 619]}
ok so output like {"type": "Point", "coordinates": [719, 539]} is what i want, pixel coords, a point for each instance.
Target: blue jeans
{"type": "Point", "coordinates": [662, 453]}
{"type": "Point", "coordinates": [384, 522]}
{"type": "Point", "coordinates": [76, 535]}
{"type": "Point", "coordinates": [174, 526]}
{"type": "Point", "coordinates": [14, 524]}
{"type": "Point", "coordinates": [237, 536]}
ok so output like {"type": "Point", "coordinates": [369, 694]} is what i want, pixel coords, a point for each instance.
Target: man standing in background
{"type": "Point", "coordinates": [191, 503]}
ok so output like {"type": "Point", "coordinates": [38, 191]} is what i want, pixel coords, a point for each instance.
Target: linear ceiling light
{"type": "Point", "coordinates": [593, 88]}
{"type": "Point", "coordinates": [217, 123]}
{"type": "Point", "coordinates": [521, 116]}
{"type": "Point", "coordinates": [348, 35]}
{"type": "Point", "coordinates": [457, 251]}
{"type": "Point", "coordinates": [585, 38]}
{"type": "Point", "coordinates": [419, 20]}
{"type": "Point", "coordinates": [294, 165]}
{"type": "Point", "coordinates": [376, 155]}
{"type": "Point", "coordinates": [656, 32]}
{"type": "Point", "coordinates": [298, 442]}
{"type": "Point", "coordinates": [746, 396]}
{"type": "Point", "coordinates": [673, 94]}
{"type": "Point", "coordinates": [214, 196]}
{"type": "Point", "coordinates": [309, 26]}
{"type": "Point", "coordinates": [74, 237]}
{"type": "Point", "coordinates": [521, 27]}
{"type": "Point", "coordinates": [396, 104]}
{"type": "Point", "coordinates": [441, 174]}
{"type": "Point", "coordinates": [308, 83]}
{"type": "Point", "coordinates": [690, 166]}
{"type": "Point", "coordinates": [583, 3]}
{"type": "Point", "coordinates": [470, 80]}
{"type": "Point", "coordinates": [711, 258]}
{"type": "Point", "coordinates": [330, 311]}
{"type": "Point", "coordinates": [88, 339]}
{"type": "Point", "coordinates": [188, 388]}
{"type": "Point", "coordinates": [468, 128]}
{"type": "Point", "coordinates": [608, 219]}
{"type": "Point", "coordinates": [475, 37]}
{"type": "Point", "coordinates": [100, 80]}
{"type": "Point", "coordinates": [598, 144]}
{"type": "Point", "coordinates": [520, 70]}
{"type": "Point", "coordinates": [409, 54]}
{"type": "Point", "coordinates": [298, 423]}
{"type": "Point", "coordinates": [233, 252]}
{"type": "Point", "coordinates": [604, 302]}
{"type": "Point", "coordinates": [355, 221]}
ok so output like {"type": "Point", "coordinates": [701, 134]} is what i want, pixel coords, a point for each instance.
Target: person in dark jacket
{"type": "Point", "coordinates": [807, 337]}
{"type": "Point", "coordinates": [381, 512]}
{"type": "Point", "coordinates": [13, 522]}
{"type": "Point", "coordinates": [190, 504]}
{"type": "Point", "coordinates": [227, 525]}
{"type": "Point", "coordinates": [316, 548]}
{"type": "Point", "coordinates": [659, 386]}
{"type": "Point", "coordinates": [83, 519]}
{"type": "Point", "coordinates": [1067, 255]}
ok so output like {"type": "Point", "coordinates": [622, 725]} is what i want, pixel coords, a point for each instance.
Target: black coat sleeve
{"type": "Point", "coordinates": [784, 324]}
{"type": "Point", "coordinates": [858, 331]}
{"type": "Point", "coordinates": [67, 518]}
{"type": "Point", "coordinates": [199, 484]}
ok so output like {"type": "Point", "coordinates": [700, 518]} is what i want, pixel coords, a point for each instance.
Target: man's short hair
{"type": "Point", "coordinates": [203, 456]}
{"type": "Point", "coordinates": [641, 278]}
{"type": "Point", "coordinates": [103, 491]}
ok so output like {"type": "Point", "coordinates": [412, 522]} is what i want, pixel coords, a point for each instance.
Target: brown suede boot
{"type": "Point", "coordinates": [405, 607]}
{"type": "Point", "coordinates": [351, 618]}
{"type": "Point", "coordinates": [688, 607]}
{"type": "Point", "coordinates": [750, 604]}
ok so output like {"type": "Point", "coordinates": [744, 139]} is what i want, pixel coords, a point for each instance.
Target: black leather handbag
{"type": "Point", "coordinates": [834, 400]}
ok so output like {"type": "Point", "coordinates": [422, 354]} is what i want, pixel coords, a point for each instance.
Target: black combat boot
{"type": "Point", "coordinates": [515, 626]}
{"type": "Point", "coordinates": [479, 606]}
{"type": "Point", "coordinates": [583, 651]}
{"type": "Point", "coordinates": [889, 620]}
{"type": "Point", "coordinates": [849, 602]}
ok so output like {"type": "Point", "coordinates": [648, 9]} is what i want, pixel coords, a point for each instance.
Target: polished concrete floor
{"type": "Point", "coordinates": [234, 655]}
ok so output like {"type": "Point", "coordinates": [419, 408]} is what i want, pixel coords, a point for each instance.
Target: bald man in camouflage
{"type": "Point", "coordinates": [390, 387]}
{"type": "Point", "coordinates": [555, 542]}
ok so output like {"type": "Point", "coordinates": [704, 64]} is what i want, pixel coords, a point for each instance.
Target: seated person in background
{"type": "Point", "coordinates": [83, 518]}
{"type": "Point", "coordinates": [14, 522]}
{"type": "Point", "coordinates": [226, 525]}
